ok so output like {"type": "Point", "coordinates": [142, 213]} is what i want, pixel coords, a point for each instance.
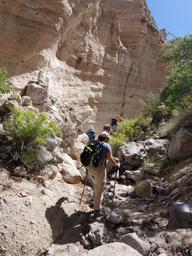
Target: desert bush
{"type": "Point", "coordinates": [155, 109]}
{"type": "Point", "coordinates": [30, 130]}
{"type": "Point", "coordinates": [117, 140]}
{"type": "Point", "coordinates": [29, 155]}
{"type": "Point", "coordinates": [5, 86]}
{"type": "Point", "coordinates": [30, 126]}
{"type": "Point", "coordinates": [128, 130]}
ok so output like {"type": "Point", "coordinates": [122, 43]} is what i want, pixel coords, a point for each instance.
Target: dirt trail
{"type": "Point", "coordinates": [148, 217]}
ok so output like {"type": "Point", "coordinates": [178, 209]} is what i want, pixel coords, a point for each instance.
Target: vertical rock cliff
{"type": "Point", "coordinates": [98, 57]}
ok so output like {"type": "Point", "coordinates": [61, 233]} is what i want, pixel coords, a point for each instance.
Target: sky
{"type": "Point", "coordinates": [173, 15]}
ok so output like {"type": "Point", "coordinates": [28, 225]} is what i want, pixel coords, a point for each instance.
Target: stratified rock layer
{"type": "Point", "coordinates": [98, 57]}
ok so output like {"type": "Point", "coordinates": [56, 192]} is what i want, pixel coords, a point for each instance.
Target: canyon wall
{"type": "Point", "coordinates": [99, 58]}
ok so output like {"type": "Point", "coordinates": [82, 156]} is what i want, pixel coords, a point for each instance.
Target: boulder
{"type": "Point", "coordinates": [155, 146]}
{"type": "Point", "coordinates": [11, 104]}
{"type": "Point", "coordinates": [95, 234]}
{"type": "Point", "coordinates": [143, 189]}
{"type": "Point", "coordinates": [45, 155]}
{"type": "Point", "coordinates": [70, 173]}
{"type": "Point", "coordinates": [3, 99]}
{"type": "Point", "coordinates": [70, 249]}
{"type": "Point", "coordinates": [122, 190]}
{"type": "Point", "coordinates": [136, 175]}
{"type": "Point", "coordinates": [16, 96]}
{"type": "Point", "coordinates": [138, 244]}
{"type": "Point", "coordinates": [50, 171]}
{"type": "Point", "coordinates": [181, 145]}
{"type": "Point", "coordinates": [37, 93]}
{"type": "Point", "coordinates": [115, 249]}
{"type": "Point", "coordinates": [20, 171]}
{"type": "Point", "coordinates": [180, 215]}
{"type": "Point", "coordinates": [77, 149]}
{"type": "Point", "coordinates": [51, 143]}
{"type": "Point", "coordinates": [115, 217]}
{"type": "Point", "coordinates": [132, 154]}
{"type": "Point", "coordinates": [83, 138]}
{"type": "Point", "coordinates": [26, 101]}
{"type": "Point", "coordinates": [57, 156]}
{"type": "Point", "coordinates": [68, 160]}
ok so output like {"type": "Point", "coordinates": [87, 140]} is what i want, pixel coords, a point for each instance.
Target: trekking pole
{"type": "Point", "coordinates": [83, 189]}
{"type": "Point", "coordinates": [113, 192]}
{"type": "Point", "coordinates": [115, 183]}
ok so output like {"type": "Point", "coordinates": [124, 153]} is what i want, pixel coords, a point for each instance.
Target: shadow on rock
{"type": "Point", "coordinates": [67, 229]}
{"type": "Point", "coordinates": [56, 218]}
{"type": "Point", "coordinates": [74, 227]}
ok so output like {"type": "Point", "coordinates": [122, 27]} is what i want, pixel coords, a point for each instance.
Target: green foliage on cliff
{"type": "Point", "coordinates": [5, 86]}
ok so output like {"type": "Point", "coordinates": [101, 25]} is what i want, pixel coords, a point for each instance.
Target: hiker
{"type": "Point", "coordinates": [107, 128]}
{"type": "Point", "coordinates": [115, 121]}
{"type": "Point", "coordinates": [99, 173]}
{"type": "Point", "coordinates": [91, 134]}
{"type": "Point", "coordinates": [114, 124]}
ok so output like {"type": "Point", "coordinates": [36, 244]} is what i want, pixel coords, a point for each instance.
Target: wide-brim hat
{"type": "Point", "coordinates": [105, 134]}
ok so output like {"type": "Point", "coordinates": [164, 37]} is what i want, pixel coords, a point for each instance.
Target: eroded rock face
{"type": "Point", "coordinates": [99, 57]}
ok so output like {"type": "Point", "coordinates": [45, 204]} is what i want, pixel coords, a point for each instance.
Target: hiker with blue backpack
{"type": "Point", "coordinates": [95, 157]}
{"type": "Point", "coordinates": [91, 133]}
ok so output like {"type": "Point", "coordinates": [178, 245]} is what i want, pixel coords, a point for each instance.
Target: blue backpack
{"type": "Point", "coordinates": [91, 134]}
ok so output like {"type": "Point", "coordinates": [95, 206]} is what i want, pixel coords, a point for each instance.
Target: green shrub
{"type": "Point", "coordinates": [117, 140]}
{"type": "Point", "coordinates": [177, 95]}
{"type": "Point", "coordinates": [29, 156]}
{"type": "Point", "coordinates": [132, 127]}
{"type": "Point", "coordinates": [129, 129]}
{"type": "Point", "coordinates": [30, 126]}
{"type": "Point", "coordinates": [179, 87]}
{"type": "Point", "coordinates": [155, 109]}
{"type": "Point", "coordinates": [5, 86]}
{"type": "Point", "coordinates": [29, 129]}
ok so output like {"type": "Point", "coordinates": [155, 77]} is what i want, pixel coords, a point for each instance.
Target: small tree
{"type": "Point", "coordinates": [178, 93]}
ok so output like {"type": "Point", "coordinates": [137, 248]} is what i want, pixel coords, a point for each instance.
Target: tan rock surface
{"type": "Point", "coordinates": [32, 216]}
